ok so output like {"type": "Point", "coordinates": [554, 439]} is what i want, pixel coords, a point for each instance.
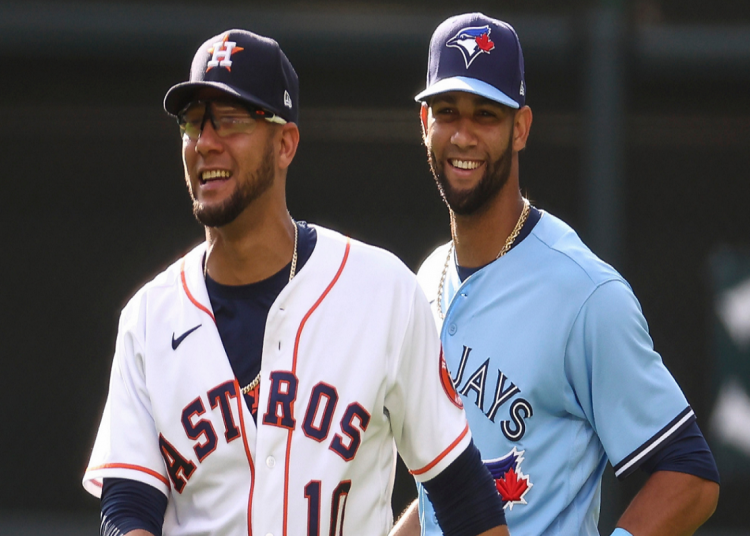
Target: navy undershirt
{"type": "Point", "coordinates": [241, 312]}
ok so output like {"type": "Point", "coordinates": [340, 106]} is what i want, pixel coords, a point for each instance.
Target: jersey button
{"type": "Point", "coordinates": [452, 329]}
{"type": "Point", "coordinates": [271, 462]}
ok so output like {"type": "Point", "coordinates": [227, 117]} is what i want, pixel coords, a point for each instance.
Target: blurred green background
{"type": "Point", "coordinates": [640, 140]}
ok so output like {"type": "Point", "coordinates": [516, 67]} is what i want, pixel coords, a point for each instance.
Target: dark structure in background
{"type": "Point", "coordinates": [640, 141]}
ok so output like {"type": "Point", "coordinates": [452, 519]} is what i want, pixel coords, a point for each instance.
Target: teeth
{"type": "Point", "coordinates": [215, 174]}
{"type": "Point", "coordinates": [465, 164]}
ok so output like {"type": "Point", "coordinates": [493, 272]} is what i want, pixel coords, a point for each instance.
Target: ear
{"type": "Point", "coordinates": [521, 128]}
{"type": "Point", "coordinates": [288, 142]}
{"type": "Point", "coordinates": [423, 113]}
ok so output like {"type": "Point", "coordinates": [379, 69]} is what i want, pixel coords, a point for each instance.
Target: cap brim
{"type": "Point", "coordinates": [469, 85]}
{"type": "Point", "coordinates": [181, 94]}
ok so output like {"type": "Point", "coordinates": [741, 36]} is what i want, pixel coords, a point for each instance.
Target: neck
{"type": "Point", "coordinates": [252, 248]}
{"type": "Point", "coordinates": [479, 237]}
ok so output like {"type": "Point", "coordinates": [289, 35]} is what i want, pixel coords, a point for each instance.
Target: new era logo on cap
{"type": "Point", "coordinates": [476, 54]}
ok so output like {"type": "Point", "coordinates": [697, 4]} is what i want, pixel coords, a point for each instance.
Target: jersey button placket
{"type": "Point", "coordinates": [463, 294]}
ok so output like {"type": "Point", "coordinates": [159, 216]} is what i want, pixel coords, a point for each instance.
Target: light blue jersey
{"type": "Point", "coordinates": [552, 357]}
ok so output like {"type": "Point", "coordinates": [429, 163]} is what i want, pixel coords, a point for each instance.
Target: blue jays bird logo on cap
{"type": "Point", "coordinates": [511, 483]}
{"type": "Point", "coordinates": [472, 42]}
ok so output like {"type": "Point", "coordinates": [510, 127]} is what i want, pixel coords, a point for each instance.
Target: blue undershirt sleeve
{"type": "Point", "coordinates": [464, 496]}
{"type": "Point", "coordinates": [128, 505]}
{"type": "Point", "coordinates": [687, 453]}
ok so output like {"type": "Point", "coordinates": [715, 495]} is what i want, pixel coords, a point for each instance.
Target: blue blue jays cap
{"type": "Point", "coordinates": [246, 66]}
{"type": "Point", "coordinates": [479, 55]}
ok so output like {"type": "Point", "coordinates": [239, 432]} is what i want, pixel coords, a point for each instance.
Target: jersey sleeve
{"type": "Point", "coordinates": [628, 395]}
{"type": "Point", "coordinates": [426, 413]}
{"type": "Point", "coordinates": [127, 444]}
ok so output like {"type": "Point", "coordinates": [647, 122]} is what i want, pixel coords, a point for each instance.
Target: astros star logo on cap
{"type": "Point", "coordinates": [472, 42]}
{"type": "Point", "coordinates": [221, 54]}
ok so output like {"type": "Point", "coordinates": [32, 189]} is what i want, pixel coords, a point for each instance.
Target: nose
{"type": "Point", "coordinates": [464, 136]}
{"type": "Point", "coordinates": [208, 140]}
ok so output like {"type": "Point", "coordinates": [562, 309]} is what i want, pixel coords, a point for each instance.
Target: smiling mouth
{"type": "Point", "coordinates": [464, 164]}
{"type": "Point", "coordinates": [214, 174]}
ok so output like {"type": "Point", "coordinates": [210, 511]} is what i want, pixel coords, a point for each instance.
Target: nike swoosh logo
{"type": "Point", "coordinates": [176, 342]}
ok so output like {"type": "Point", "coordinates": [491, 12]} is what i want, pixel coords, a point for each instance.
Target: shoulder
{"type": "Point", "coordinates": [166, 283]}
{"type": "Point", "coordinates": [431, 270]}
{"type": "Point", "coordinates": [365, 259]}
{"type": "Point", "coordinates": [564, 255]}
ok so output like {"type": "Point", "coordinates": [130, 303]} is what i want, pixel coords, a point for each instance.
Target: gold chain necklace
{"type": "Point", "coordinates": [503, 250]}
{"type": "Point", "coordinates": [292, 271]}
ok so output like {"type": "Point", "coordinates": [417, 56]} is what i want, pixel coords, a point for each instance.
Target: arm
{"type": "Point", "coordinates": [430, 430]}
{"type": "Point", "coordinates": [408, 523]}
{"type": "Point", "coordinates": [465, 500]}
{"type": "Point", "coordinates": [497, 531]}
{"type": "Point", "coordinates": [131, 508]}
{"type": "Point", "coordinates": [670, 504]}
{"type": "Point", "coordinates": [637, 397]}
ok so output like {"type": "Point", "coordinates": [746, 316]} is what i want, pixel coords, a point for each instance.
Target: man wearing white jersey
{"type": "Point", "coordinates": [546, 343]}
{"type": "Point", "coordinates": [262, 383]}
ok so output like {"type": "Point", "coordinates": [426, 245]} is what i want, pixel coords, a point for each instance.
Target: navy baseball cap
{"type": "Point", "coordinates": [247, 66]}
{"type": "Point", "coordinates": [479, 55]}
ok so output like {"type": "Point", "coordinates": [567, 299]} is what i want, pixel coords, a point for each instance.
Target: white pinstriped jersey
{"type": "Point", "coordinates": [351, 362]}
{"type": "Point", "coordinates": [551, 355]}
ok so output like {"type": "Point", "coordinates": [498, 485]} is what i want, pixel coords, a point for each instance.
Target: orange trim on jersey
{"type": "Point", "coordinates": [133, 467]}
{"type": "Point", "coordinates": [294, 371]}
{"type": "Point", "coordinates": [240, 404]}
{"type": "Point", "coordinates": [198, 304]}
{"type": "Point", "coordinates": [443, 454]}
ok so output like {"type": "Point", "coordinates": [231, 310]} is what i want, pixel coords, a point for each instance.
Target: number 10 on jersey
{"type": "Point", "coordinates": [338, 505]}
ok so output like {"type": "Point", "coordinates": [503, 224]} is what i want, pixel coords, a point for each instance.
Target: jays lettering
{"type": "Point", "coordinates": [476, 387]}
{"type": "Point", "coordinates": [320, 422]}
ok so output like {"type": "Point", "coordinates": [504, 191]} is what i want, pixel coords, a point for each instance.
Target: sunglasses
{"type": "Point", "coordinates": [226, 118]}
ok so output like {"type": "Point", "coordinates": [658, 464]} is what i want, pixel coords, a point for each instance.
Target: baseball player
{"type": "Point", "coordinates": [261, 383]}
{"type": "Point", "coordinates": [546, 343]}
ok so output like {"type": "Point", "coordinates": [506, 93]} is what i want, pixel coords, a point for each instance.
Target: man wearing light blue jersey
{"type": "Point", "coordinates": [545, 342]}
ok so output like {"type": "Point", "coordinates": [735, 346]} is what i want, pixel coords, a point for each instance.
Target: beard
{"type": "Point", "coordinates": [468, 202]}
{"type": "Point", "coordinates": [254, 185]}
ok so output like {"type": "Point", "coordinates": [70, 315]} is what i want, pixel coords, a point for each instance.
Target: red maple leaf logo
{"type": "Point", "coordinates": [484, 43]}
{"type": "Point", "coordinates": [510, 487]}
